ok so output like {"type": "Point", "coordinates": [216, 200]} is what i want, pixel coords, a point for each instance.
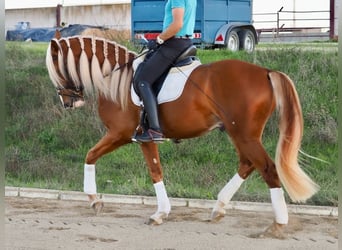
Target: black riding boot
{"type": "Point", "coordinates": [150, 105]}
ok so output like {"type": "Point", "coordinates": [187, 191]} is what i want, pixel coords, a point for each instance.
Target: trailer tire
{"type": "Point", "coordinates": [233, 41]}
{"type": "Point", "coordinates": [247, 40]}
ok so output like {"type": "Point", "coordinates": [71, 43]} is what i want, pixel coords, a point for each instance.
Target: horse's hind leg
{"type": "Point", "coordinates": [225, 195]}
{"type": "Point", "coordinates": [261, 161]}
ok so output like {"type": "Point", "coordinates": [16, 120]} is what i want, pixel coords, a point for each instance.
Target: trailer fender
{"type": "Point", "coordinates": [223, 32]}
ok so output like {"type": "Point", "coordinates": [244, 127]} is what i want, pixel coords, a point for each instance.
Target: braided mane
{"type": "Point", "coordinates": [93, 64]}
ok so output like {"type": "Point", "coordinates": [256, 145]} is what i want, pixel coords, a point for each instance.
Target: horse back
{"type": "Point", "coordinates": [232, 82]}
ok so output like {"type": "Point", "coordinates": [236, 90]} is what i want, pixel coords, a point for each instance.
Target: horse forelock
{"type": "Point", "coordinates": [96, 64]}
{"type": "Point", "coordinates": [73, 60]}
{"type": "Point", "coordinates": [54, 63]}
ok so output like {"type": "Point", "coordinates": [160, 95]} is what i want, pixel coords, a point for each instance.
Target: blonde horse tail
{"type": "Point", "coordinates": [298, 185]}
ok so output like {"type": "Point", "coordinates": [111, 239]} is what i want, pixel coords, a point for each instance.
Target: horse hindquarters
{"type": "Point", "coordinates": [254, 97]}
{"type": "Point", "coordinates": [246, 133]}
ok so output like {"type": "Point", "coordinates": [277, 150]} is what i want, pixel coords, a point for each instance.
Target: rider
{"type": "Point", "coordinates": [178, 28]}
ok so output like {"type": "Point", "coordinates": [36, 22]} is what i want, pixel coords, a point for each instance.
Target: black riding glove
{"type": "Point", "coordinates": [152, 45]}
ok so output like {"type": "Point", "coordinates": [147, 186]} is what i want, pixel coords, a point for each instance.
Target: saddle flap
{"type": "Point", "coordinates": [173, 85]}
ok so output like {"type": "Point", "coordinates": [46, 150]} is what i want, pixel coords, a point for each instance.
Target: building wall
{"type": "Point", "coordinates": [38, 18]}
{"type": "Point", "coordinates": [111, 16]}
{"type": "Point", "coordinates": [117, 16]}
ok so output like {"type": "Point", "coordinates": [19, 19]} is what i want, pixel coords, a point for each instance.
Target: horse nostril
{"type": "Point", "coordinates": [67, 105]}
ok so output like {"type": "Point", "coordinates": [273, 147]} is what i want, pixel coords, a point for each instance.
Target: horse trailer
{"type": "Point", "coordinates": [219, 23]}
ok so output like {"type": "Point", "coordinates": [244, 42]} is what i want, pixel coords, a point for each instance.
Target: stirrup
{"type": "Point", "coordinates": [133, 138]}
{"type": "Point", "coordinates": [150, 135]}
{"type": "Point", "coordinates": [141, 126]}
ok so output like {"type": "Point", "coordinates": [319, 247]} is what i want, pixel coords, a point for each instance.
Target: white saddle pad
{"type": "Point", "coordinates": [173, 85]}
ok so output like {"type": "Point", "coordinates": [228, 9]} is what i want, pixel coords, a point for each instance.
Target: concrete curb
{"type": "Point", "coordinates": [176, 202]}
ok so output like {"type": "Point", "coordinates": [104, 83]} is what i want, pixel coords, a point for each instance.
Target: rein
{"type": "Point", "coordinates": [196, 85]}
{"type": "Point", "coordinates": [131, 61]}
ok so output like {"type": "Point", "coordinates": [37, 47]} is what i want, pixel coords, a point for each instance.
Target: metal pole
{"type": "Point", "coordinates": [58, 15]}
{"type": "Point", "coordinates": [294, 13]}
{"type": "Point", "coordinates": [278, 19]}
{"type": "Point", "coordinates": [332, 19]}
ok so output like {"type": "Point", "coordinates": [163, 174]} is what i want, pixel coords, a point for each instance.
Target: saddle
{"type": "Point", "coordinates": [170, 85]}
{"type": "Point", "coordinates": [186, 58]}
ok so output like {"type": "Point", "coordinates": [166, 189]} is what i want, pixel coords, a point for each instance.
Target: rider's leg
{"type": "Point", "coordinates": [147, 73]}
{"type": "Point", "coordinates": [154, 132]}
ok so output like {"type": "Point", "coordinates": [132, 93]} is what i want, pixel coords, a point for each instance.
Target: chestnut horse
{"type": "Point", "coordinates": [236, 96]}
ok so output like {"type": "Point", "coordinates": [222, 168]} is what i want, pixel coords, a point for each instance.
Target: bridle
{"type": "Point", "coordinates": [73, 93]}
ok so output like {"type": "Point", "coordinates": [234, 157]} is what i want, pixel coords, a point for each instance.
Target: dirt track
{"type": "Point", "coordinates": [57, 224]}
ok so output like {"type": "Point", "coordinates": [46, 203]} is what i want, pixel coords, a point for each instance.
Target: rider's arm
{"type": "Point", "coordinates": [175, 26]}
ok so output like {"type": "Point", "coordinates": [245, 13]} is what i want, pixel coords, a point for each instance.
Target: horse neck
{"type": "Point", "coordinates": [100, 65]}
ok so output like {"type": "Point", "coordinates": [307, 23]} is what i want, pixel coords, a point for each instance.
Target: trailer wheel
{"type": "Point", "coordinates": [247, 40]}
{"type": "Point", "coordinates": [233, 41]}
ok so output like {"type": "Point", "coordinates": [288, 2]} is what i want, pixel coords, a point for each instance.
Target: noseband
{"type": "Point", "coordinates": [73, 94]}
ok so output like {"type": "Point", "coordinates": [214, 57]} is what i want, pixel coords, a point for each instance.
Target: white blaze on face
{"type": "Point", "coordinates": [76, 104]}
{"type": "Point", "coordinates": [79, 103]}
{"type": "Point", "coordinates": [61, 98]}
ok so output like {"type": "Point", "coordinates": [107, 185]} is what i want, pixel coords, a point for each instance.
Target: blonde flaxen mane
{"type": "Point", "coordinates": [94, 64]}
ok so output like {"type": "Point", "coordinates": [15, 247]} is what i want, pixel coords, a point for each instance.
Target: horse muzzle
{"type": "Point", "coordinates": [79, 103]}
{"type": "Point", "coordinates": [70, 99]}
{"type": "Point", "coordinates": [73, 104]}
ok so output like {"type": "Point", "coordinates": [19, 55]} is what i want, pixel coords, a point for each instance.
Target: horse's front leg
{"type": "Point", "coordinates": [105, 145]}
{"type": "Point", "coordinates": [151, 155]}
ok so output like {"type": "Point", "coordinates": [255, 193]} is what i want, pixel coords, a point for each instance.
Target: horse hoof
{"type": "Point", "coordinates": [274, 231]}
{"type": "Point", "coordinates": [218, 212]}
{"type": "Point", "coordinates": [154, 222]}
{"type": "Point", "coordinates": [97, 205]}
{"type": "Point", "coordinates": [216, 216]}
{"type": "Point", "coordinates": [156, 219]}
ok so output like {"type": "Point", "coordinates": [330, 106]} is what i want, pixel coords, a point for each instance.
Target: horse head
{"type": "Point", "coordinates": [71, 98]}
{"type": "Point", "coordinates": [84, 64]}
{"type": "Point", "coordinates": [69, 92]}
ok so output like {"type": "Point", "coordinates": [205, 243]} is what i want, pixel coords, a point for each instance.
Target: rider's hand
{"type": "Point", "coordinates": [152, 45]}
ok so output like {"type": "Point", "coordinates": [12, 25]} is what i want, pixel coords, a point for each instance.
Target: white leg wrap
{"type": "Point", "coordinates": [279, 205]}
{"type": "Point", "coordinates": [89, 183]}
{"type": "Point", "coordinates": [162, 199]}
{"type": "Point", "coordinates": [226, 194]}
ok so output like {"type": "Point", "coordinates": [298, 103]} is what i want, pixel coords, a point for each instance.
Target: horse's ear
{"type": "Point", "coordinates": [54, 48]}
{"type": "Point", "coordinates": [57, 34]}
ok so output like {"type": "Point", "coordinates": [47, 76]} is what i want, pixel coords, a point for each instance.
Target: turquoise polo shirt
{"type": "Point", "coordinates": [189, 7]}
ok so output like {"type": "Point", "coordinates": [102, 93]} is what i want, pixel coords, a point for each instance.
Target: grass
{"type": "Point", "coordinates": [46, 145]}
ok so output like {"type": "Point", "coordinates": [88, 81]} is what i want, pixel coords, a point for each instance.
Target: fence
{"type": "Point", "coordinates": [313, 24]}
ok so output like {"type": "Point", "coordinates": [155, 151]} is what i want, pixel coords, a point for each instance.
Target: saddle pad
{"type": "Point", "coordinates": [173, 85]}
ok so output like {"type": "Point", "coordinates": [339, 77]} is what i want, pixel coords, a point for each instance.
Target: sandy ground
{"type": "Point", "coordinates": [58, 224]}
